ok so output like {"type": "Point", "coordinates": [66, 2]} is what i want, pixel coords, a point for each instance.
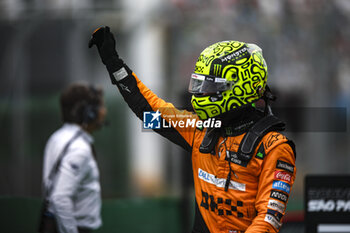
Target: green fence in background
{"type": "Point", "coordinates": [156, 215]}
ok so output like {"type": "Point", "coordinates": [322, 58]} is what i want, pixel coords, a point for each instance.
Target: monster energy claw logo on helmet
{"type": "Point", "coordinates": [228, 75]}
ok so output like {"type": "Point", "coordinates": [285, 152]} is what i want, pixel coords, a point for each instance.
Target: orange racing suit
{"type": "Point", "coordinates": [257, 192]}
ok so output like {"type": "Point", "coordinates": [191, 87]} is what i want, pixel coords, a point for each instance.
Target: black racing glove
{"type": "Point", "coordinates": [105, 43]}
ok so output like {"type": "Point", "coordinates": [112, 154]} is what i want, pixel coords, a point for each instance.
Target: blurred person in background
{"type": "Point", "coordinates": [70, 173]}
{"type": "Point", "coordinates": [243, 168]}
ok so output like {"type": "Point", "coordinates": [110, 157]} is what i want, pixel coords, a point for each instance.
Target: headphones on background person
{"type": "Point", "coordinates": [90, 111]}
{"type": "Point", "coordinates": [86, 112]}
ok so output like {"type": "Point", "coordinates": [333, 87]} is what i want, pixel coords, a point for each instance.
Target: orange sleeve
{"type": "Point", "coordinates": [180, 120]}
{"type": "Point", "coordinates": [176, 125]}
{"type": "Point", "coordinates": [275, 183]}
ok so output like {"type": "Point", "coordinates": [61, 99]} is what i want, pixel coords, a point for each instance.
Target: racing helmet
{"type": "Point", "coordinates": [227, 76]}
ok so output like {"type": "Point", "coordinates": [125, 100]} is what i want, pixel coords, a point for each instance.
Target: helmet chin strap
{"type": "Point", "coordinates": [268, 97]}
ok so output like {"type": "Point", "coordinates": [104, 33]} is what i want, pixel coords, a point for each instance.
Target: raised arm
{"type": "Point", "coordinates": [138, 97]}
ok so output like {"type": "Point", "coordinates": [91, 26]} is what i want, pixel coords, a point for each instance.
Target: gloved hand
{"type": "Point", "coordinates": [105, 43]}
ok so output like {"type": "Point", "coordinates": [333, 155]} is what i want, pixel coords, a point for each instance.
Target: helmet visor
{"type": "Point", "coordinates": [204, 84]}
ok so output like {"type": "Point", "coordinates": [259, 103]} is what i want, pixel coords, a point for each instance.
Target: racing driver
{"type": "Point", "coordinates": [243, 168]}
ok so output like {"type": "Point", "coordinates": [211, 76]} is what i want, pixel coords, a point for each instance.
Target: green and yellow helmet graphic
{"type": "Point", "coordinates": [228, 75]}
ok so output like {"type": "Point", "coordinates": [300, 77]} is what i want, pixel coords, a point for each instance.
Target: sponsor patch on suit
{"type": "Point", "coordinates": [280, 185]}
{"type": "Point", "coordinates": [279, 196]}
{"type": "Point", "coordinates": [219, 182]}
{"type": "Point", "coordinates": [282, 175]}
{"type": "Point", "coordinates": [276, 205]}
{"type": "Point", "coordinates": [278, 216]}
{"type": "Point", "coordinates": [273, 221]}
{"type": "Point", "coordinates": [285, 166]}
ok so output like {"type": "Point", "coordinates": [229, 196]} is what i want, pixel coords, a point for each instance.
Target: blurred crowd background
{"type": "Point", "coordinates": [44, 48]}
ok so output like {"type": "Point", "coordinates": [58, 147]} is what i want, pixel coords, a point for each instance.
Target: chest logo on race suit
{"type": "Point", "coordinates": [233, 157]}
{"type": "Point", "coordinates": [219, 182]}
